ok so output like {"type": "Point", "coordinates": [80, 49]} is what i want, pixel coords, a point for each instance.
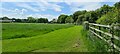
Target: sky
{"type": "Point", "coordinates": [47, 8]}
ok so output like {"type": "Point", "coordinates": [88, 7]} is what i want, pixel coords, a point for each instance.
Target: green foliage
{"type": "Point", "coordinates": [111, 17]}
{"type": "Point", "coordinates": [31, 20]}
{"type": "Point", "coordinates": [93, 17]}
{"type": "Point", "coordinates": [17, 20]}
{"type": "Point", "coordinates": [86, 16]}
{"type": "Point", "coordinates": [28, 20]}
{"type": "Point", "coordinates": [80, 19]}
{"type": "Point", "coordinates": [69, 19]}
{"type": "Point", "coordinates": [117, 5]}
{"type": "Point", "coordinates": [117, 11]}
{"type": "Point", "coordinates": [61, 18]}
{"type": "Point", "coordinates": [77, 13]}
{"type": "Point", "coordinates": [53, 21]}
{"type": "Point", "coordinates": [42, 20]}
{"type": "Point", "coordinates": [5, 18]}
{"type": "Point", "coordinates": [103, 10]}
{"type": "Point", "coordinates": [118, 16]}
{"type": "Point", "coordinates": [93, 43]}
{"type": "Point", "coordinates": [38, 20]}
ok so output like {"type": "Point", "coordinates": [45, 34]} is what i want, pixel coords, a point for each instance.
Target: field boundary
{"type": "Point", "coordinates": [98, 30]}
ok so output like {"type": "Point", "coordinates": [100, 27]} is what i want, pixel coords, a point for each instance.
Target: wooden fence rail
{"type": "Point", "coordinates": [97, 30]}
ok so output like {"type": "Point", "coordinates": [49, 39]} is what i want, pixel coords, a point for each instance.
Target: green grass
{"type": "Point", "coordinates": [49, 38]}
{"type": "Point", "coordinates": [0, 38]}
{"type": "Point", "coordinates": [61, 40]}
{"type": "Point", "coordinates": [19, 30]}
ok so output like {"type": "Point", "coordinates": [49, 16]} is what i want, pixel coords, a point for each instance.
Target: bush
{"type": "Point", "coordinates": [108, 19]}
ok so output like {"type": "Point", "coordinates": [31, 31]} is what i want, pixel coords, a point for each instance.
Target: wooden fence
{"type": "Point", "coordinates": [109, 33]}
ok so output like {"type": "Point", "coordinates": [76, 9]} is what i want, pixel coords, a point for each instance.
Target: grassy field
{"type": "Point", "coordinates": [30, 37]}
{"type": "Point", "coordinates": [18, 30]}
{"type": "Point", "coordinates": [0, 38]}
{"type": "Point", "coordinates": [59, 38]}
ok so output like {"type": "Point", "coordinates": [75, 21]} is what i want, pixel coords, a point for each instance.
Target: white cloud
{"type": "Point", "coordinates": [21, 16]}
{"type": "Point", "coordinates": [48, 16]}
{"type": "Point", "coordinates": [20, 13]}
{"type": "Point", "coordinates": [44, 5]}
{"type": "Point", "coordinates": [13, 16]}
{"type": "Point", "coordinates": [61, 0]}
{"type": "Point", "coordinates": [91, 0]}
{"type": "Point", "coordinates": [40, 5]}
{"type": "Point", "coordinates": [75, 6]}
{"type": "Point", "coordinates": [92, 6]}
{"type": "Point", "coordinates": [16, 11]}
{"type": "Point", "coordinates": [7, 10]}
{"type": "Point", "coordinates": [13, 13]}
{"type": "Point", "coordinates": [0, 9]}
{"type": "Point", "coordinates": [23, 10]}
{"type": "Point", "coordinates": [27, 6]}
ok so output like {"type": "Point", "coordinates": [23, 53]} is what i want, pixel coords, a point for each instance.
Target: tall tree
{"type": "Point", "coordinates": [69, 19]}
{"type": "Point", "coordinates": [53, 21]}
{"type": "Point", "coordinates": [42, 20]}
{"type": "Point", "coordinates": [77, 13]}
{"type": "Point", "coordinates": [61, 18]}
{"type": "Point", "coordinates": [5, 18]}
{"type": "Point", "coordinates": [111, 17]}
{"type": "Point", "coordinates": [31, 20]}
{"type": "Point", "coordinates": [117, 5]}
{"type": "Point", "coordinates": [103, 10]}
{"type": "Point", "coordinates": [92, 17]}
{"type": "Point", "coordinates": [117, 10]}
{"type": "Point", "coordinates": [18, 20]}
{"type": "Point", "coordinates": [86, 16]}
{"type": "Point", "coordinates": [80, 19]}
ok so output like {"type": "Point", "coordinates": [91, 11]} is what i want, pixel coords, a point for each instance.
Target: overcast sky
{"type": "Point", "coordinates": [49, 9]}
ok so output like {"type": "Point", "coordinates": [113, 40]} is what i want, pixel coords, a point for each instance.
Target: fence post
{"type": "Point", "coordinates": [99, 29]}
{"type": "Point", "coordinates": [112, 38]}
{"type": "Point", "coordinates": [86, 25]}
{"type": "Point", "coordinates": [94, 29]}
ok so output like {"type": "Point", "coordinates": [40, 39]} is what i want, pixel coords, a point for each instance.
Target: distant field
{"type": "Point", "coordinates": [20, 30]}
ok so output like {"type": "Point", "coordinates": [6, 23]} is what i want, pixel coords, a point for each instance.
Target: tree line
{"type": "Point", "coordinates": [104, 15]}
{"type": "Point", "coordinates": [28, 20]}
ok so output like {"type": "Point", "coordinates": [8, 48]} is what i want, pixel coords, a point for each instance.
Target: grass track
{"type": "Point", "coordinates": [56, 41]}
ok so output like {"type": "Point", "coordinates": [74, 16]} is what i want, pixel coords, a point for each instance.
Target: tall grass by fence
{"type": "Point", "coordinates": [109, 33]}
